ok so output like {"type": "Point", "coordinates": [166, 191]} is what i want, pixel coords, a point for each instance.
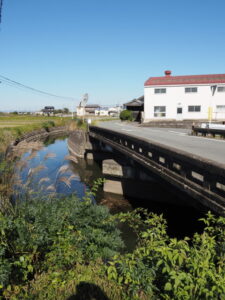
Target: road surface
{"type": "Point", "coordinates": [212, 149]}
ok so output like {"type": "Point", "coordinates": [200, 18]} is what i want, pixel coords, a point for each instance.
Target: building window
{"type": "Point", "coordinates": [220, 108]}
{"type": "Point", "coordinates": [191, 90]}
{"type": "Point", "coordinates": [159, 111]}
{"type": "Point", "coordinates": [179, 110]}
{"type": "Point", "coordinates": [160, 91]}
{"type": "Point", "coordinates": [194, 108]}
{"type": "Point", "coordinates": [221, 89]}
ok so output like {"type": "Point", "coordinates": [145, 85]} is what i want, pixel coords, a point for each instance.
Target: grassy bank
{"type": "Point", "coordinates": [13, 126]}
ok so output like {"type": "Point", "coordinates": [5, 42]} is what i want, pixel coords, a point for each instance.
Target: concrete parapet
{"type": "Point", "coordinates": [172, 123]}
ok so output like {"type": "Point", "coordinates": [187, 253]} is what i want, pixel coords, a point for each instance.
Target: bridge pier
{"type": "Point", "coordinates": [124, 179]}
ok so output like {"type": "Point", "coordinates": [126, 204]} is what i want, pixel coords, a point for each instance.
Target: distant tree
{"type": "Point", "coordinates": [15, 113]}
{"type": "Point", "coordinates": [66, 110]}
{"type": "Point", "coordinates": [58, 111]}
{"type": "Point", "coordinates": [126, 115]}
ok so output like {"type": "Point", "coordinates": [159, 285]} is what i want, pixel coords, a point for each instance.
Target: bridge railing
{"type": "Point", "coordinates": [208, 132]}
{"type": "Point", "coordinates": [204, 176]}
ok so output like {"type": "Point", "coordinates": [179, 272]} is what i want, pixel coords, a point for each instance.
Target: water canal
{"type": "Point", "coordinates": [48, 168]}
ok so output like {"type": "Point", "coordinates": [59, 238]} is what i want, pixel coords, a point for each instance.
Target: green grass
{"type": "Point", "coordinates": [14, 120]}
{"type": "Point", "coordinates": [12, 126]}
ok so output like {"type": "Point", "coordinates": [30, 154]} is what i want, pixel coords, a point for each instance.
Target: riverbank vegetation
{"type": "Point", "coordinates": [13, 126]}
{"type": "Point", "coordinates": [68, 248]}
{"type": "Point", "coordinates": [56, 248]}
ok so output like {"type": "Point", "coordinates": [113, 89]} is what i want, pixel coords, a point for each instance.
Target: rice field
{"type": "Point", "coordinates": [10, 121]}
{"type": "Point", "coordinates": [12, 126]}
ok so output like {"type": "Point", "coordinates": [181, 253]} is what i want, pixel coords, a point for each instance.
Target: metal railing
{"type": "Point", "coordinates": [208, 132]}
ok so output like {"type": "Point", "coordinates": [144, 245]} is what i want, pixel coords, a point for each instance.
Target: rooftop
{"type": "Point", "coordinates": [168, 79]}
{"type": "Point", "coordinates": [92, 106]}
{"type": "Point", "coordinates": [136, 102]}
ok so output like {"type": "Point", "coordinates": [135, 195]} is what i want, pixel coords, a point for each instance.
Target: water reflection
{"type": "Point", "coordinates": [49, 169]}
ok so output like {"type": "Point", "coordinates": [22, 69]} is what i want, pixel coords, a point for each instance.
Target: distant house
{"type": "Point", "coordinates": [90, 108]}
{"type": "Point", "coordinates": [87, 109]}
{"type": "Point", "coordinates": [136, 106]}
{"type": "Point", "coordinates": [102, 111]}
{"type": "Point", "coordinates": [48, 110]}
{"type": "Point", "coordinates": [115, 111]}
{"type": "Point", "coordinates": [191, 97]}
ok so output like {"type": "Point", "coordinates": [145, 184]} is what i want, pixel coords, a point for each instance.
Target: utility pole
{"type": "Point", "coordinates": [1, 4]}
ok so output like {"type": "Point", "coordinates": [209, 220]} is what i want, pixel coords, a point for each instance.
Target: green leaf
{"type": "Point", "coordinates": [168, 286]}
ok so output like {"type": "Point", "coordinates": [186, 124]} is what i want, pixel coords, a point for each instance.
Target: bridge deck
{"type": "Point", "coordinates": [207, 148]}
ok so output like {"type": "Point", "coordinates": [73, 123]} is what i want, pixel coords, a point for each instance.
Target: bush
{"type": "Point", "coordinates": [49, 235]}
{"type": "Point", "coordinates": [164, 268]}
{"type": "Point", "coordinates": [126, 115]}
{"type": "Point", "coordinates": [48, 124]}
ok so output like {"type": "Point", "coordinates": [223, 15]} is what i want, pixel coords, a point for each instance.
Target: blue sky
{"type": "Point", "coordinates": [105, 48]}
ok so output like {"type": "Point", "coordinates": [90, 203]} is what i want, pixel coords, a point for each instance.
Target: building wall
{"type": "Point", "coordinates": [101, 112]}
{"type": "Point", "coordinates": [80, 111]}
{"type": "Point", "coordinates": [175, 97]}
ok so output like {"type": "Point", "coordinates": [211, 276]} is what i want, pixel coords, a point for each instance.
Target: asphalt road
{"type": "Point", "coordinates": [212, 149]}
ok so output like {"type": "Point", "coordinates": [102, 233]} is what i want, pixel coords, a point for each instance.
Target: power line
{"type": "Point", "coordinates": [20, 85]}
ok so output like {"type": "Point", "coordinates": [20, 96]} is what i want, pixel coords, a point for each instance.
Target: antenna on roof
{"type": "Point", "coordinates": [84, 100]}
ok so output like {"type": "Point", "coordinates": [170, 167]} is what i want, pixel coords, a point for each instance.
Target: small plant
{"type": "Point", "coordinates": [48, 124]}
{"type": "Point", "coordinates": [126, 115]}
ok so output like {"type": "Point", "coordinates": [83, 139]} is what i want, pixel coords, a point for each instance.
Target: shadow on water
{"type": "Point", "coordinates": [181, 220]}
{"type": "Point", "coordinates": [88, 291]}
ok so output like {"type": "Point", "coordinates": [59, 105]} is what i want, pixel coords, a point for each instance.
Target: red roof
{"type": "Point", "coordinates": [182, 80]}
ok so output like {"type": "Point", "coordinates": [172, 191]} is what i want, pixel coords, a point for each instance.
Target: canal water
{"type": "Point", "coordinates": [49, 169]}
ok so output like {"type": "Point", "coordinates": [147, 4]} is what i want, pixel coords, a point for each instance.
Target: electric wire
{"type": "Point", "coordinates": [17, 84]}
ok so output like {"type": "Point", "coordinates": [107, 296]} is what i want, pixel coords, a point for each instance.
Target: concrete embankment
{"type": "Point", "coordinates": [35, 136]}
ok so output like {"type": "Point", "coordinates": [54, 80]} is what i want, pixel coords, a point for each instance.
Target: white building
{"type": "Point", "coordinates": [108, 111]}
{"type": "Point", "coordinates": [80, 111]}
{"type": "Point", "coordinates": [87, 110]}
{"type": "Point", "coordinates": [190, 97]}
{"type": "Point", "coordinates": [102, 111]}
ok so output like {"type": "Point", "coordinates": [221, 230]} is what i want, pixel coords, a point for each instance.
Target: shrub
{"type": "Point", "coordinates": [48, 124]}
{"type": "Point", "coordinates": [168, 268]}
{"type": "Point", "coordinates": [53, 234]}
{"type": "Point", "coordinates": [126, 115]}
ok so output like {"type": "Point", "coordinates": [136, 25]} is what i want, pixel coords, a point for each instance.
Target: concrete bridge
{"type": "Point", "coordinates": [200, 178]}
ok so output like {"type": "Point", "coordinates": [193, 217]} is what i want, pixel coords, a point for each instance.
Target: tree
{"type": "Point", "coordinates": [66, 110]}
{"type": "Point", "coordinates": [126, 115]}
